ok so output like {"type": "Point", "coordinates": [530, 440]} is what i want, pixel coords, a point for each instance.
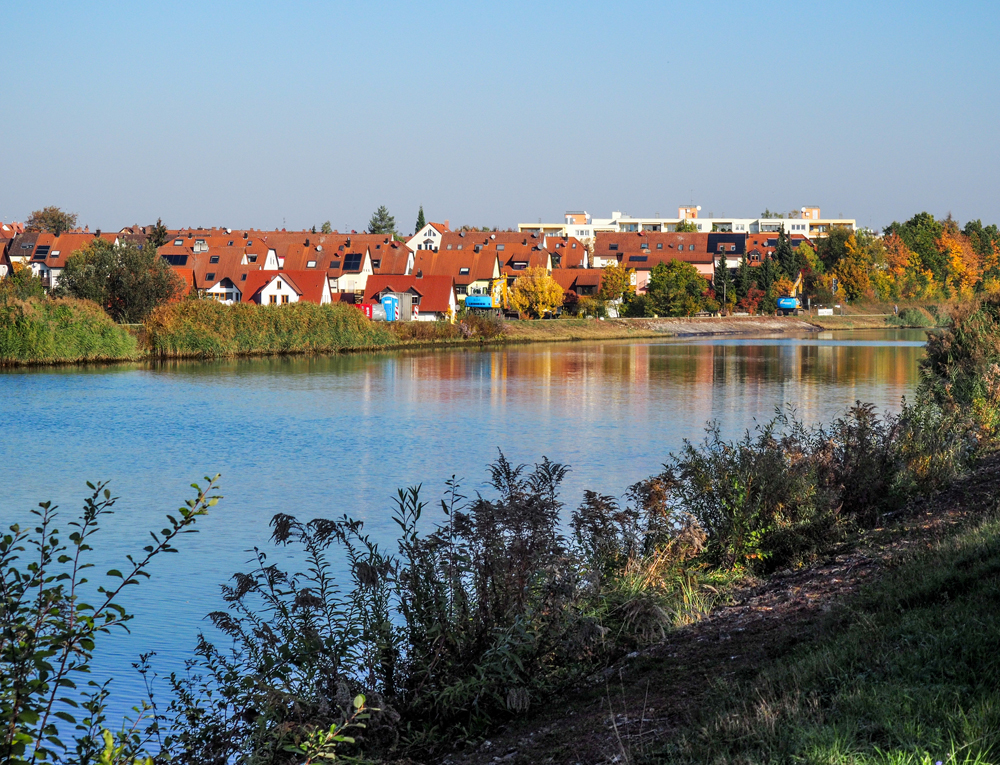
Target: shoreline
{"type": "Point", "coordinates": [528, 332]}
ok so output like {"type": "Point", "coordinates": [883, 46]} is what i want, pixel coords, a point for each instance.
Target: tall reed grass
{"type": "Point", "coordinates": [207, 329]}
{"type": "Point", "coordinates": [45, 331]}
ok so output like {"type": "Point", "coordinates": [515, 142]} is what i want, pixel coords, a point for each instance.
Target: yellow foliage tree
{"type": "Point", "coordinates": [535, 293]}
{"type": "Point", "coordinates": [853, 271]}
{"type": "Point", "coordinates": [963, 263]}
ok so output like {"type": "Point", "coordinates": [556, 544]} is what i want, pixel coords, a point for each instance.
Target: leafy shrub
{"type": "Point", "coordinates": [911, 317]}
{"type": "Point", "coordinates": [48, 631]}
{"type": "Point", "coordinates": [207, 329]}
{"type": "Point", "coordinates": [487, 326]}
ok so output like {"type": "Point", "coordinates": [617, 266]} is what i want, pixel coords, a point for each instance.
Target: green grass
{"type": "Point", "coordinates": [911, 674]}
{"type": "Point", "coordinates": [207, 329]}
{"type": "Point", "coordinates": [44, 331]}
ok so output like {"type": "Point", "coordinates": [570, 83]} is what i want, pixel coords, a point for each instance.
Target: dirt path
{"type": "Point", "coordinates": [650, 694]}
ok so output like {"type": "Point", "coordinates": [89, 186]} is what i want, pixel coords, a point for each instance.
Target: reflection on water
{"type": "Point", "coordinates": [333, 435]}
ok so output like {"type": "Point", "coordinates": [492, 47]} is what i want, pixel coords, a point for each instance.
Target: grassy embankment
{"type": "Point", "coordinates": [43, 331]}
{"type": "Point", "coordinates": [907, 672]}
{"type": "Point", "coordinates": [206, 329]}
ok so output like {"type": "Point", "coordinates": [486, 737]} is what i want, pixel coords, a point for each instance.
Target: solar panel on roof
{"type": "Point", "coordinates": [352, 261]}
{"type": "Point", "coordinates": [638, 258]}
{"type": "Point", "coordinates": [176, 260]}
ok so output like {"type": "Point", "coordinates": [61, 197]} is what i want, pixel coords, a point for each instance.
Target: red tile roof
{"type": "Point", "coordinates": [436, 292]}
{"type": "Point", "coordinates": [575, 278]}
{"type": "Point", "coordinates": [308, 285]}
{"type": "Point", "coordinates": [481, 266]}
{"type": "Point", "coordinates": [663, 246]}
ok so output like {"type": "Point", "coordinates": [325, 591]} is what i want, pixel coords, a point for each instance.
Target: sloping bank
{"type": "Point", "coordinates": [42, 331]}
{"type": "Point", "coordinates": [206, 329]}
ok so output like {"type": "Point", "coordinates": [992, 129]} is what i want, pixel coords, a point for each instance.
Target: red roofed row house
{"type": "Point", "coordinates": [45, 254]}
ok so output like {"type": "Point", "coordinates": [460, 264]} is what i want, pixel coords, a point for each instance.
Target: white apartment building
{"type": "Point", "coordinates": [808, 223]}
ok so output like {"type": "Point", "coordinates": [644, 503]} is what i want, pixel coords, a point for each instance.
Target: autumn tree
{"type": "Point", "coordinates": [326, 228]}
{"type": "Point", "coordinates": [381, 222]}
{"type": "Point", "coordinates": [51, 220]}
{"type": "Point", "coordinates": [616, 280]}
{"type": "Point", "coordinates": [535, 293]}
{"type": "Point", "coordinates": [686, 226]}
{"type": "Point", "coordinates": [853, 270]}
{"type": "Point", "coordinates": [921, 234]}
{"type": "Point", "coordinates": [128, 282]}
{"type": "Point", "coordinates": [676, 288]}
{"type": "Point", "coordinates": [964, 270]}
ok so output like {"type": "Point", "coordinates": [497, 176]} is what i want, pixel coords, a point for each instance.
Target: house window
{"type": "Point", "coordinates": [613, 246]}
{"type": "Point", "coordinates": [691, 247]}
{"type": "Point", "coordinates": [54, 254]}
{"type": "Point", "coordinates": [274, 299]}
{"type": "Point", "coordinates": [279, 285]}
{"type": "Point", "coordinates": [499, 247]}
{"type": "Point", "coordinates": [243, 277]}
{"type": "Point", "coordinates": [659, 245]}
{"type": "Point", "coordinates": [251, 258]}
{"type": "Point", "coordinates": [311, 264]}
{"type": "Point", "coordinates": [250, 243]}
{"type": "Point", "coordinates": [459, 246]}
{"type": "Point", "coordinates": [214, 259]}
{"type": "Point", "coordinates": [732, 248]}
{"type": "Point", "coordinates": [463, 271]}
{"type": "Point", "coordinates": [284, 298]}
{"type": "Point", "coordinates": [178, 242]}
{"type": "Point", "coordinates": [230, 244]}
{"type": "Point", "coordinates": [460, 289]}
{"type": "Point", "coordinates": [210, 276]}
{"type": "Point", "coordinates": [449, 246]}
{"type": "Point", "coordinates": [416, 300]}
{"type": "Point", "coordinates": [377, 263]}
{"type": "Point", "coordinates": [334, 264]}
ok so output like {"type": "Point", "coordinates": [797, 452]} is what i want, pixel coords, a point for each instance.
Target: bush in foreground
{"type": "Point", "coordinates": [45, 331]}
{"type": "Point", "coordinates": [208, 329]}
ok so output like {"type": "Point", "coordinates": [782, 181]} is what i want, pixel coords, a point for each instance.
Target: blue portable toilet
{"type": "Point", "coordinates": [391, 305]}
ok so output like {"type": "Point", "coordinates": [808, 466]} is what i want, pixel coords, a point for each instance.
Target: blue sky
{"type": "Point", "coordinates": [492, 113]}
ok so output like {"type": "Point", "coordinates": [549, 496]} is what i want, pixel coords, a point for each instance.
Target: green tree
{"type": "Point", "coordinates": [787, 258]}
{"type": "Point", "coordinates": [381, 222]}
{"type": "Point", "coordinates": [126, 281]}
{"type": "Point", "coordinates": [326, 228]}
{"type": "Point", "coordinates": [768, 214]}
{"type": "Point", "coordinates": [676, 289]}
{"type": "Point", "coordinates": [51, 220]}
{"type": "Point", "coordinates": [833, 247]}
{"type": "Point", "coordinates": [745, 278]}
{"type": "Point", "coordinates": [767, 274]}
{"type": "Point", "coordinates": [21, 284]}
{"type": "Point", "coordinates": [158, 235]}
{"type": "Point", "coordinates": [686, 226]}
{"type": "Point", "coordinates": [421, 221]}
{"type": "Point", "coordinates": [722, 282]}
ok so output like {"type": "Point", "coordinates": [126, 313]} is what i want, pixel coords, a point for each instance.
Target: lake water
{"type": "Point", "coordinates": [327, 436]}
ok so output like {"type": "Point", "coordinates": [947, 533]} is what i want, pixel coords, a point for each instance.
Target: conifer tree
{"type": "Point", "coordinates": [381, 222]}
{"type": "Point", "coordinates": [744, 278]}
{"type": "Point", "coordinates": [722, 282]}
{"type": "Point", "coordinates": [326, 228]}
{"type": "Point", "coordinates": [421, 221]}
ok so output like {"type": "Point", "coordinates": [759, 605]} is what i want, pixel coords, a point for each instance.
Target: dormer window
{"type": "Point", "coordinates": [251, 258]}
{"type": "Point", "coordinates": [376, 263]}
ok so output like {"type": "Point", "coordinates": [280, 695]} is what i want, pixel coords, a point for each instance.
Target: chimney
{"type": "Point", "coordinates": [446, 221]}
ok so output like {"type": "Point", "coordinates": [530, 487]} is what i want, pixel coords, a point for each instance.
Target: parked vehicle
{"type": "Point", "coordinates": [788, 305]}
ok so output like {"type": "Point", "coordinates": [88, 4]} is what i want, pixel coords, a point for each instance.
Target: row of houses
{"type": "Point", "coordinates": [437, 266]}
